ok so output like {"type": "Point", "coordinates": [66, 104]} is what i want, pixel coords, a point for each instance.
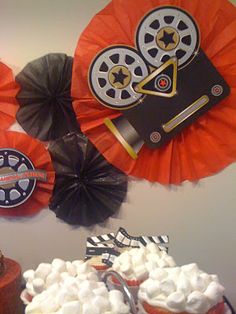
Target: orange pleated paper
{"type": "Point", "coordinates": [202, 149]}
{"type": "Point", "coordinates": [40, 157]}
{"type": "Point", "coordinates": [8, 90]}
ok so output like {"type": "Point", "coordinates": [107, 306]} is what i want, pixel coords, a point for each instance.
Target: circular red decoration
{"type": "Point", "coordinates": [203, 148]}
{"type": "Point", "coordinates": [163, 82]}
{"type": "Point", "coordinates": [26, 175]}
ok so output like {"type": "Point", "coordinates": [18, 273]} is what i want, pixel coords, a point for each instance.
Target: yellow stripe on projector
{"type": "Point", "coordinates": [185, 114]}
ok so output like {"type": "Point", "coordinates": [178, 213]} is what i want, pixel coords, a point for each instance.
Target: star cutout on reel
{"type": "Point", "coordinates": [167, 38]}
{"type": "Point", "coordinates": [119, 77]}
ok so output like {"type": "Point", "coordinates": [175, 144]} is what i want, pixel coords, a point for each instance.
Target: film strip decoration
{"type": "Point", "coordinates": [109, 257]}
{"type": "Point", "coordinates": [108, 246]}
{"type": "Point", "coordinates": [123, 239]}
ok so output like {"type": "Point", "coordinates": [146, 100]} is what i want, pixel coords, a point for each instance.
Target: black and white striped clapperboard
{"type": "Point", "coordinates": [123, 239]}
{"type": "Point", "coordinates": [97, 245]}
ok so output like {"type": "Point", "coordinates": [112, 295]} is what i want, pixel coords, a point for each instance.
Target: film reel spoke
{"type": "Point", "coordinates": [183, 47]}
{"type": "Point", "coordinates": [102, 75]}
{"type": "Point", "coordinates": [151, 31]}
{"type": "Point", "coordinates": [175, 22]}
{"type": "Point", "coordinates": [184, 33]}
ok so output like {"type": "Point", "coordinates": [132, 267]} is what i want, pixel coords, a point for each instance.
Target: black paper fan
{"type": "Point", "coordinates": [45, 101]}
{"type": "Point", "coordinates": [88, 189]}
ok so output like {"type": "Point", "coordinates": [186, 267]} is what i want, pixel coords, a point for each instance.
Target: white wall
{"type": "Point", "coordinates": [200, 218]}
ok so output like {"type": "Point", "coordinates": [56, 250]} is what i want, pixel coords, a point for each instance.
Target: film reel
{"type": "Point", "coordinates": [167, 32]}
{"type": "Point", "coordinates": [114, 74]}
{"type": "Point", "coordinates": [15, 193]}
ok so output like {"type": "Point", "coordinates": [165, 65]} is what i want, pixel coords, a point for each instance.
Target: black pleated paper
{"type": "Point", "coordinates": [88, 189]}
{"type": "Point", "coordinates": [46, 110]}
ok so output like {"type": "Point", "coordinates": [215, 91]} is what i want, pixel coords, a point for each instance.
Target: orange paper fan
{"type": "Point", "coordinates": [8, 103]}
{"type": "Point", "coordinates": [200, 150]}
{"type": "Point", "coordinates": [26, 175]}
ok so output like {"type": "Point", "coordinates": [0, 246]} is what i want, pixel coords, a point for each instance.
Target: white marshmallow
{"type": "Point", "coordinates": [126, 268]}
{"type": "Point", "coordinates": [214, 278]}
{"type": "Point", "coordinates": [59, 265]}
{"type": "Point", "coordinates": [73, 307]}
{"type": "Point", "coordinates": [30, 288]}
{"type": "Point", "coordinates": [89, 308]}
{"type": "Point", "coordinates": [116, 296]}
{"type": "Point", "coordinates": [102, 291]}
{"type": "Point", "coordinates": [153, 290]}
{"type": "Point", "coordinates": [214, 292]}
{"type": "Point", "coordinates": [207, 278]}
{"type": "Point", "coordinates": [64, 276]}
{"type": "Point", "coordinates": [159, 274]}
{"type": "Point", "coordinates": [101, 303]}
{"type": "Point", "coordinates": [190, 269]}
{"type": "Point", "coordinates": [71, 269]}
{"type": "Point", "coordinates": [38, 285]}
{"type": "Point", "coordinates": [120, 308]}
{"type": "Point", "coordinates": [49, 305]}
{"type": "Point", "coordinates": [138, 259]}
{"type": "Point", "coordinates": [64, 296]}
{"type": "Point", "coordinates": [183, 284]}
{"type": "Point", "coordinates": [167, 286]}
{"type": "Point", "coordinates": [174, 272]}
{"type": "Point", "coordinates": [197, 303]}
{"type": "Point", "coordinates": [176, 301]}
{"type": "Point", "coordinates": [33, 308]}
{"type": "Point", "coordinates": [84, 294]}
{"type": "Point", "coordinates": [53, 289]}
{"type": "Point", "coordinates": [170, 261]}
{"type": "Point", "coordinates": [43, 270]}
{"type": "Point", "coordinates": [140, 272]}
{"type": "Point", "coordinates": [198, 283]}
{"type": "Point", "coordinates": [76, 263]}
{"type": "Point", "coordinates": [28, 275]}
{"type": "Point", "coordinates": [162, 263]}
{"type": "Point", "coordinates": [52, 278]}
{"type": "Point", "coordinates": [153, 248]}
{"type": "Point", "coordinates": [151, 266]}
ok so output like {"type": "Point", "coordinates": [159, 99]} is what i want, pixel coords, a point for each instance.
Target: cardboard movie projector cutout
{"type": "Point", "coordinates": [161, 86]}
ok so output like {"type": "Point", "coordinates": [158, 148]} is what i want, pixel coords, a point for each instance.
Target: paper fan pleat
{"type": "Point", "coordinates": [39, 156]}
{"type": "Point", "coordinates": [45, 102]}
{"type": "Point", "coordinates": [8, 103]}
{"type": "Point", "coordinates": [188, 155]}
{"type": "Point", "coordinates": [88, 189]}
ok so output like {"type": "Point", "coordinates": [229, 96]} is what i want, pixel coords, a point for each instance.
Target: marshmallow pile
{"type": "Point", "coordinates": [181, 289]}
{"type": "Point", "coordinates": [70, 288]}
{"type": "Point", "coordinates": [77, 296]}
{"type": "Point", "coordinates": [137, 263]}
{"type": "Point", "coordinates": [48, 274]}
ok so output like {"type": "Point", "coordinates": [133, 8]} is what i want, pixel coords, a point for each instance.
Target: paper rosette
{"type": "Point", "coordinates": [202, 149]}
{"type": "Point", "coordinates": [8, 102]}
{"type": "Point", "coordinates": [46, 110]}
{"type": "Point", "coordinates": [26, 175]}
{"type": "Point", "coordinates": [88, 189]}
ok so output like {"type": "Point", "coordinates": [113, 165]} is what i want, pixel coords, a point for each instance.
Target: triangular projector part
{"type": "Point", "coordinates": [162, 82]}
